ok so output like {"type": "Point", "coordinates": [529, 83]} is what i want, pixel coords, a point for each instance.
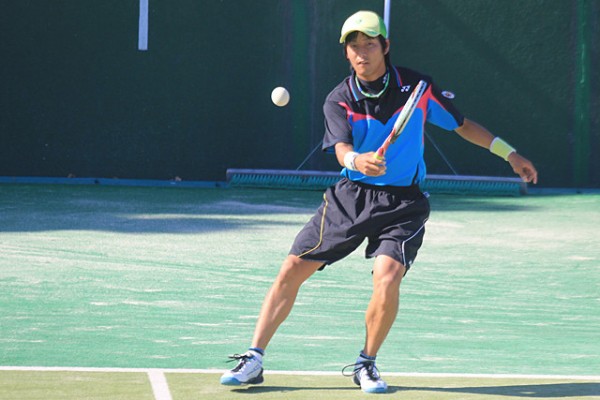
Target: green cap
{"type": "Point", "coordinates": [366, 22]}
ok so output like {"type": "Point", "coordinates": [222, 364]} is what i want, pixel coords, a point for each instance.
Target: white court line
{"type": "Point", "coordinates": [160, 387]}
{"type": "Point", "coordinates": [308, 373]}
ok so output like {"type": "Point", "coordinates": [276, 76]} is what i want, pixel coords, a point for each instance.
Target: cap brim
{"type": "Point", "coordinates": [366, 32]}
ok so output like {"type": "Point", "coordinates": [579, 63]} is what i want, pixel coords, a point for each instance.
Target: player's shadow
{"type": "Point", "coordinates": [549, 390]}
{"type": "Point", "coordinates": [284, 389]}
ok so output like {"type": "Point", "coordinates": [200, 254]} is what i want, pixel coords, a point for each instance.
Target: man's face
{"type": "Point", "coordinates": [367, 57]}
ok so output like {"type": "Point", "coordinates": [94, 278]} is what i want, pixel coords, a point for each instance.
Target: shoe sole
{"type": "Point", "coordinates": [231, 381]}
{"type": "Point", "coordinates": [375, 390]}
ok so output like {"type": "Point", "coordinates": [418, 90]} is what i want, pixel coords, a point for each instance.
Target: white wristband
{"type": "Point", "coordinates": [349, 160]}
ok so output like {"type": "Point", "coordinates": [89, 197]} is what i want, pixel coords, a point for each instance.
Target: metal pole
{"type": "Point", "coordinates": [386, 15]}
{"type": "Point", "coordinates": [582, 145]}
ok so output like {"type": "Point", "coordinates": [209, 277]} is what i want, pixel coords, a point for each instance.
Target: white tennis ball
{"type": "Point", "coordinates": [280, 96]}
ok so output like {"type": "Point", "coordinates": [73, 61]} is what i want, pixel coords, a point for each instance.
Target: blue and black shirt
{"type": "Point", "coordinates": [365, 122]}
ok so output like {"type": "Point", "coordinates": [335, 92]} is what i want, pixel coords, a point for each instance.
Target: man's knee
{"type": "Point", "coordinates": [387, 272]}
{"type": "Point", "coordinates": [296, 270]}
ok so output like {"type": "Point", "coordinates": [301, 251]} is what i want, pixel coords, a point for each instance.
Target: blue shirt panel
{"type": "Point", "coordinates": [404, 157]}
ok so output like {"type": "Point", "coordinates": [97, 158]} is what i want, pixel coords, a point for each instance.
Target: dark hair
{"type": "Point", "coordinates": [352, 36]}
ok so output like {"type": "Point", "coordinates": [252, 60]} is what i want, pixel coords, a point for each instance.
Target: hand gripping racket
{"type": "Point", "coordinates": [405, 114]}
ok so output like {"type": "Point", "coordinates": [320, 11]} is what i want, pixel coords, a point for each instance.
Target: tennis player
{"type": "Point", "coordinates": [376, 200]}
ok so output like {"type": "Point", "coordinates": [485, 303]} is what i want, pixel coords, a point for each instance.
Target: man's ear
{"type": "Point", "coordinates": [387, 46]}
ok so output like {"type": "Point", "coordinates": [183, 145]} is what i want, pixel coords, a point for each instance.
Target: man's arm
{"type": "Point", "coordinates": [365, 163]}
{"type": "Point", "coordinates": [477, 134]}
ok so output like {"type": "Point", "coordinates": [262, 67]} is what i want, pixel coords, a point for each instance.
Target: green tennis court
{"type": "Point", "coordinates": [108, 282]}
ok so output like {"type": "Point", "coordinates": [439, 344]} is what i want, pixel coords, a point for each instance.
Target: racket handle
{"type": "Point", "coordinates": [380, 153]}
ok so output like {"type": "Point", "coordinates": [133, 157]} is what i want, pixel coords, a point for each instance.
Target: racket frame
{"type": "Point", "coordinates": [402, 120]}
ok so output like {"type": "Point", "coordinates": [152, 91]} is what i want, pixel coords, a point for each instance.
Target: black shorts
{"type": "Point", "coordinates": [391, 218]}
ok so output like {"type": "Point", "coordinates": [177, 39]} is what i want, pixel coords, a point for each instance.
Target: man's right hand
{"type": "Point", "coordinates": [369, 165]}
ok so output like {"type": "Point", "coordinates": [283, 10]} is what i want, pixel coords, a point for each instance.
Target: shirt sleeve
{"type": "Point", "coordinates": [337, 126]}
{"type": "Point", "coordinates": [441, 110]}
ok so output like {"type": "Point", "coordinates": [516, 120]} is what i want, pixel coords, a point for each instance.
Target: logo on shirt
{"type": "Point", "coordinates": [448, 95]}
{"type": "Point", "coordinates": [405, 89]}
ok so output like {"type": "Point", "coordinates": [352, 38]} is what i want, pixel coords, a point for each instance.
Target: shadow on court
{"type": "Point", "coordinates": [284, 389]}
{"type": "Point", "coordinates": [550, 390]}
{"type": "Point", "coordinates": [30, 208]}
{"type": "Point", "coordinates": [144, 210]}
{"type": "Point", "coordinates": [481, 204]}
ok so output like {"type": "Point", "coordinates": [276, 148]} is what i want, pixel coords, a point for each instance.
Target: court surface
{"type": "Point", "coordinates": [106, 291]}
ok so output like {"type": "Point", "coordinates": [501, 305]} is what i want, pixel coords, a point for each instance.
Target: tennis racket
{"type": "Point", "coordinates": [405, 114]}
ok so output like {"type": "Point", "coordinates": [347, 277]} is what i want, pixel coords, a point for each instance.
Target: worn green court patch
{"type": "Point", "coordinates": [77, 385]}
{"type": "Point", "coordinates": [38, 385]}
{"type": "Point", "coordinates": [205, 386]}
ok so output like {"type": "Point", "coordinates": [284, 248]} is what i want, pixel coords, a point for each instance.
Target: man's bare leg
{"type": "Point", "coordinates": [281, 297]}
{"type": "Point", "coordinates": [276, 307]}
{"type": "Point", "coordinates": [383, 307]}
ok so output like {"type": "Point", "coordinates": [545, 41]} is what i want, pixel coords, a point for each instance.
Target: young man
{"type": "Point", "coordinates": [377, 200]}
